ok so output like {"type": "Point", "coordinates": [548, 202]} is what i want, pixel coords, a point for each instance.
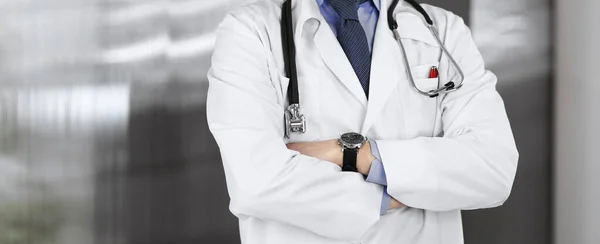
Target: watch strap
{"type": "Point", "coordinates": [349, 161]}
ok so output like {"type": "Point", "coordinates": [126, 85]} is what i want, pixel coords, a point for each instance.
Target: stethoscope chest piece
{"type": "Point", "coordinates": [295, 122]}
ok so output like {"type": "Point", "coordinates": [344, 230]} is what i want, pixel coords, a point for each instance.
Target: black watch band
{"type": "Point", "coordinates": [349, 161]}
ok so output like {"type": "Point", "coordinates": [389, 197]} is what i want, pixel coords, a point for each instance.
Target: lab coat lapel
{"type": "Point", "coordinates": [328, 46]}
{"type": "Point", "coordinates": [387, 69]}
{"type": "Point", "coordinates": [334, 57]}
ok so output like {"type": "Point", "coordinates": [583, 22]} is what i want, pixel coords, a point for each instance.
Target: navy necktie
{"type": "Point", "coordinates": [353, 39]}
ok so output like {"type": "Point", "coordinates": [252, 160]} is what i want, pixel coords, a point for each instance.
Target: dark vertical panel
{"type": "Point", "coordinates": [525, 217]}
{"type": "Point", "coordinates": [173, 185]}
{"type": "Point", "coordinates": [524, 83]}
{"type": "Point", "coordinates": [519, 54]}
{"type": "Point", "coordinates": [168, 186]}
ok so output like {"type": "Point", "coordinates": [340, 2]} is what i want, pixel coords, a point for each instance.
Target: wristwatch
{"type": "Point", "coordinates": [351, 143]}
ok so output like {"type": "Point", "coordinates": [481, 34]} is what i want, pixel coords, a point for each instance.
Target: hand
{"type": "Point", "coordinates": [396, 204]}
{"type": "Point", "coordinates": [364, 159]}
{"type": "Point", "coordinates": [328, 150]}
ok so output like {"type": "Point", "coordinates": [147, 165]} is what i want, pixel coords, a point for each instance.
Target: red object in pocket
{"type": "Point", "coordinates": [433, 73]}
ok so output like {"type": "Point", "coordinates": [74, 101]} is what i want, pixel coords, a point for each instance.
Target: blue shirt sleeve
{"type": "Point", "coordinates": [386, 200]}
{"type": "Point", "coordinates": [377, 172]}
{"type": "Point", "coordinates": [377, 176]}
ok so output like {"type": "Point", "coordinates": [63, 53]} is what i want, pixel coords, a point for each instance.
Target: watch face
{"type": "Point", "coordinates": [353, 138]}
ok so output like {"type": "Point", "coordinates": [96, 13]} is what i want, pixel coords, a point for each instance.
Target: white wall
{"type": "Point", "coordinates": [577, 123]}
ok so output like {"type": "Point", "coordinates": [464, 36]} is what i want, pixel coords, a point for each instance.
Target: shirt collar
{"type": "Point", "coordinates": [309, 9]}
{"type": "Point", "coordinates": [377, 3]}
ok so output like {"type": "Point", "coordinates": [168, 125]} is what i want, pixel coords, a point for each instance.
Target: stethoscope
{"type": "Point", "coordinates": [295, 122]}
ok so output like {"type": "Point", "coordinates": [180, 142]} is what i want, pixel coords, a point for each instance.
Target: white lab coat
{"type": "Point", "coordinates": [438, 161]}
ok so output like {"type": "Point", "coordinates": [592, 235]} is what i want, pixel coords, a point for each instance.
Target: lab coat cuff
{"type": "Point", "coordinates": [377, 171]}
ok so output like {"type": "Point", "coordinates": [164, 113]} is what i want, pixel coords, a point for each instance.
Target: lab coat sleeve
{"type": "Point", "coordinates": [474, 164]}
{"type": "Point", "coordinates": [266, 180]}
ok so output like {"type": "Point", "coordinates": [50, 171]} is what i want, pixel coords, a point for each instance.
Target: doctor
{"type": "Point", "coordinates": [424, 161]}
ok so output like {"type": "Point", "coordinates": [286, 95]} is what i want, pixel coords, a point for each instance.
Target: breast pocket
{"type": "Point", "coordinates": [421, 74]}
{"type": "Point", "coordinates": [310, 98]}
{"type": "Point", "coordinates": [422, 111]}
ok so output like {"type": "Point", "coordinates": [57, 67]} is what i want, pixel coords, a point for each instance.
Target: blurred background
{"type": "Point", "coordinates": [103, 135]}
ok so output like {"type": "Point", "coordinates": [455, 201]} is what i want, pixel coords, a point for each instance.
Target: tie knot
{"type": "Point", "coordinates": [347, 9]}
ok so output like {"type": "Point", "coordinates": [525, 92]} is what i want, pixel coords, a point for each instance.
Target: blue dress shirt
{"type": "Point", "coordinates": [368, 14]}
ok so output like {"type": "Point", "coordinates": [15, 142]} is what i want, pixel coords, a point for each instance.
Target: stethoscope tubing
{"type": "Point", "coordinates": [296, 122]}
